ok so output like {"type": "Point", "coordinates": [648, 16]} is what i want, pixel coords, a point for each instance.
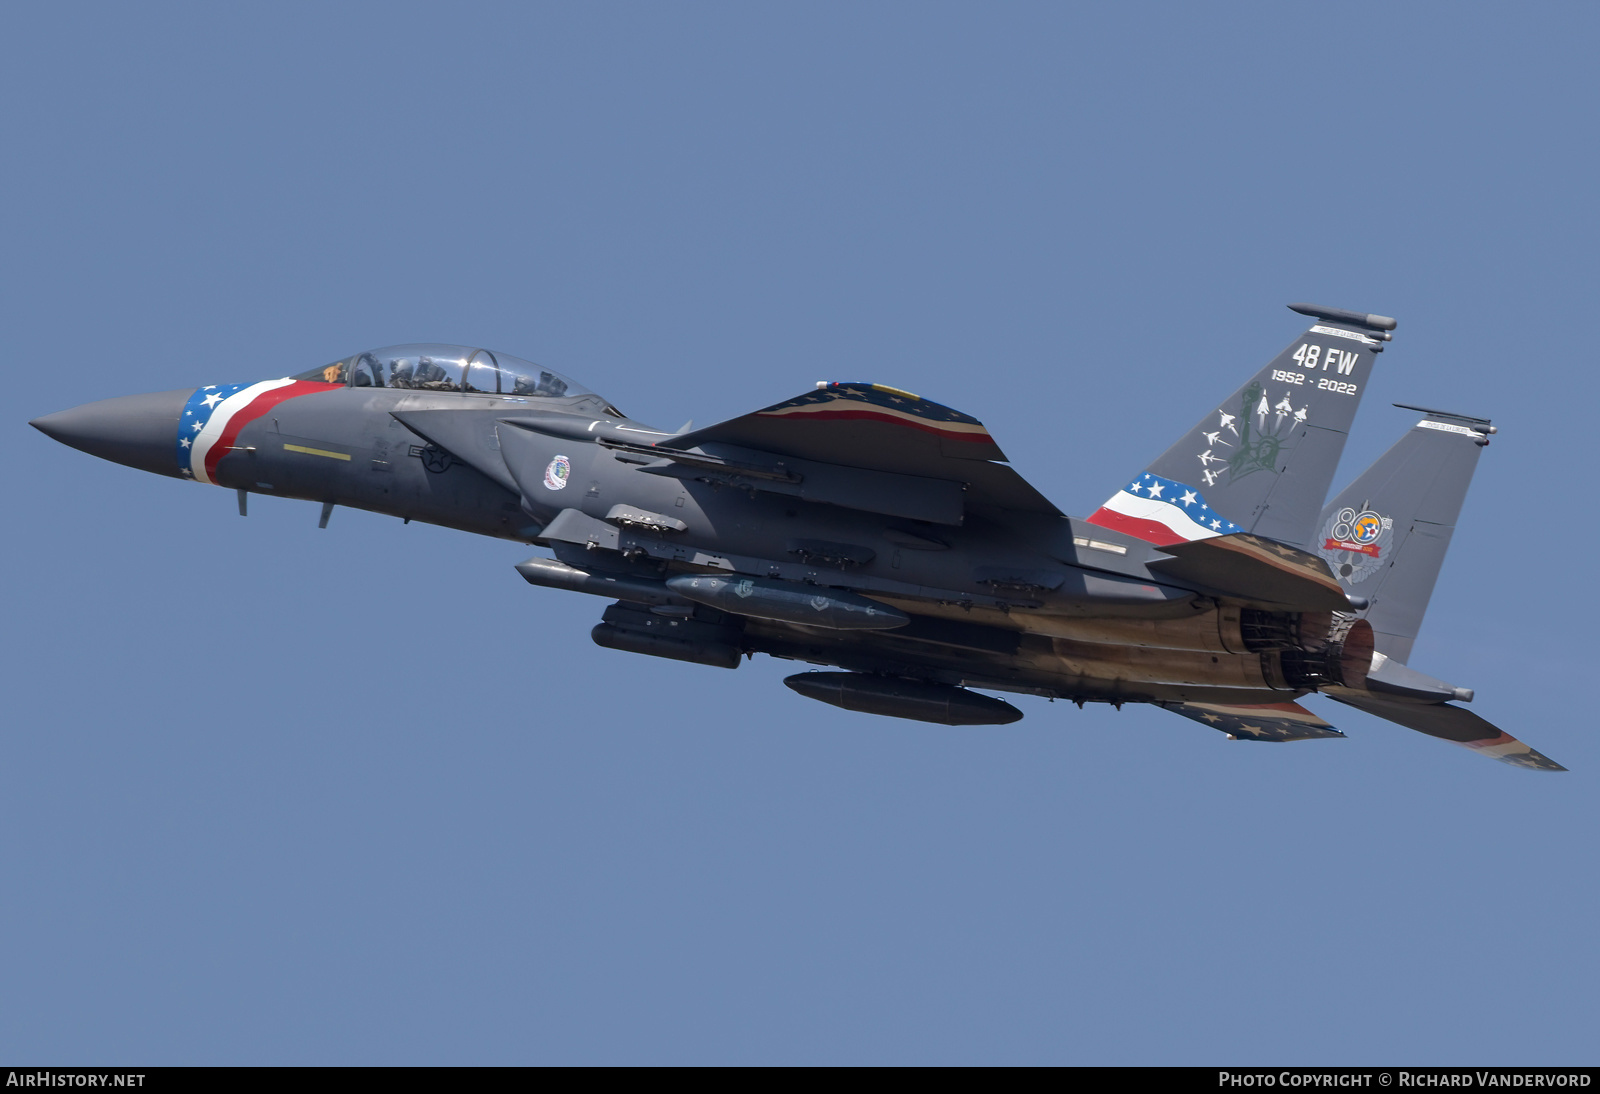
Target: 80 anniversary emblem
{"type": "Point", "coordinates": [1354, 542]}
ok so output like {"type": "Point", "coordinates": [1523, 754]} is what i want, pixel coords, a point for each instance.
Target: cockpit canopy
{"type": "Point", "coordinates": [433, 367]}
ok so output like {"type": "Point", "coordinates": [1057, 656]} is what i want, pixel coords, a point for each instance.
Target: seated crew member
{"type": "Point", "coordinates": [432, 376]}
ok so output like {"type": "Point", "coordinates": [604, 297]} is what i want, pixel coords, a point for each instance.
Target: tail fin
{"type": "Point", "coordinates": [1261, 462]}
{"type": "Point", "coordinates": [1385, 536]}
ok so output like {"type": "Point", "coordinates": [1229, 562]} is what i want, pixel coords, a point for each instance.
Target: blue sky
{"type": "Point", "coordinates": [282, 795]}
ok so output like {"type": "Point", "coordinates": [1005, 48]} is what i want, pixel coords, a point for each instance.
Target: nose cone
{"type": "Point", "coordinates": [138, 430]}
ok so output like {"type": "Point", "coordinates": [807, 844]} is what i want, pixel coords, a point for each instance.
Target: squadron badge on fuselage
{"type": "Point", "coordinates": [555, 475]}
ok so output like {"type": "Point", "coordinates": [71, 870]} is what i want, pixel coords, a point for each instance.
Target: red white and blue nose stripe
{"type": "Point", "coordinates": [214, 415]}
{"type": "Point", "coordinates": [1162, 511]}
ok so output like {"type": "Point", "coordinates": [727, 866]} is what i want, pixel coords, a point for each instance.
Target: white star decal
{"type": "Point", "coordinates": [198, 427]}
{"type": "Point", "coordinates": [212, 400]}
{"type": "Point", "coordinates": [1215, 525]}
{"type": "Point", "coordinates": [1155, 489]}
{"type": "Point", "coordinates": [1188, 498]}
{"type": "Point", "coordinates": [184, 441]}
{"type": "Point", "coordinates": [1133, 488]}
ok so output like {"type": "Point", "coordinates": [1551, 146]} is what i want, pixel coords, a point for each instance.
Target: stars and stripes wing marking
{"type": "Point", "coordinates": [1268, 722]}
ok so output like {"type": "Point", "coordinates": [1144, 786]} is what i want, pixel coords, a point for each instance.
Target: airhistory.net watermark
{"type": "Point", "coordinates": [41, 1077]}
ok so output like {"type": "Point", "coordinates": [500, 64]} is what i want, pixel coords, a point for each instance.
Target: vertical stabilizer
{"type": "Point", "coordinates": [1385, 535]}
{"type": "Point", "coordinates": [1263, 460]}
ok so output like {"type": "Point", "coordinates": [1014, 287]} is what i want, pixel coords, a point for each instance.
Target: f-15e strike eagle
{"type": "Point", "coordinates": [873, 531]}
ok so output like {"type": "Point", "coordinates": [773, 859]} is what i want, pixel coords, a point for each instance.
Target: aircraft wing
{"type": "Point", "coordinates": [878, 428]}
{"type": "Point", "coordinates": [1267, 722]}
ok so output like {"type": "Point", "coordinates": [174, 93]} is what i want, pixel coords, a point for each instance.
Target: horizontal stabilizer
{"type": "Point", "coordinates": [1259, 570]}
{"type": "Point", "coordinates": [878, 428]}
{"type": "Point", "coordinates": [1392, 680]}
{"type": "Point", "coordinates": [1454, 724]}
{"type": "Point", "coordinates": [1270, 722]}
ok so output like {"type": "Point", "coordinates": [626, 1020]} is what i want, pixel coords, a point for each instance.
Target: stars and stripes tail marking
{"type": "Point", "coordinates": [1162, 511]}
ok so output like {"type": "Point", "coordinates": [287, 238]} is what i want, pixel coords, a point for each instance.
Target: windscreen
{"type": "Point", "coordinates": [437, 367]}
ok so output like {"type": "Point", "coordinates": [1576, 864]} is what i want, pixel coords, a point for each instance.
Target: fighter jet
{"type": "Point", "coordinates": [884, 538]}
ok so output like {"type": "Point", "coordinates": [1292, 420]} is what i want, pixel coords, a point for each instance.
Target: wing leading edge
{"type": "Point", "coordinates": [878, 428]}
